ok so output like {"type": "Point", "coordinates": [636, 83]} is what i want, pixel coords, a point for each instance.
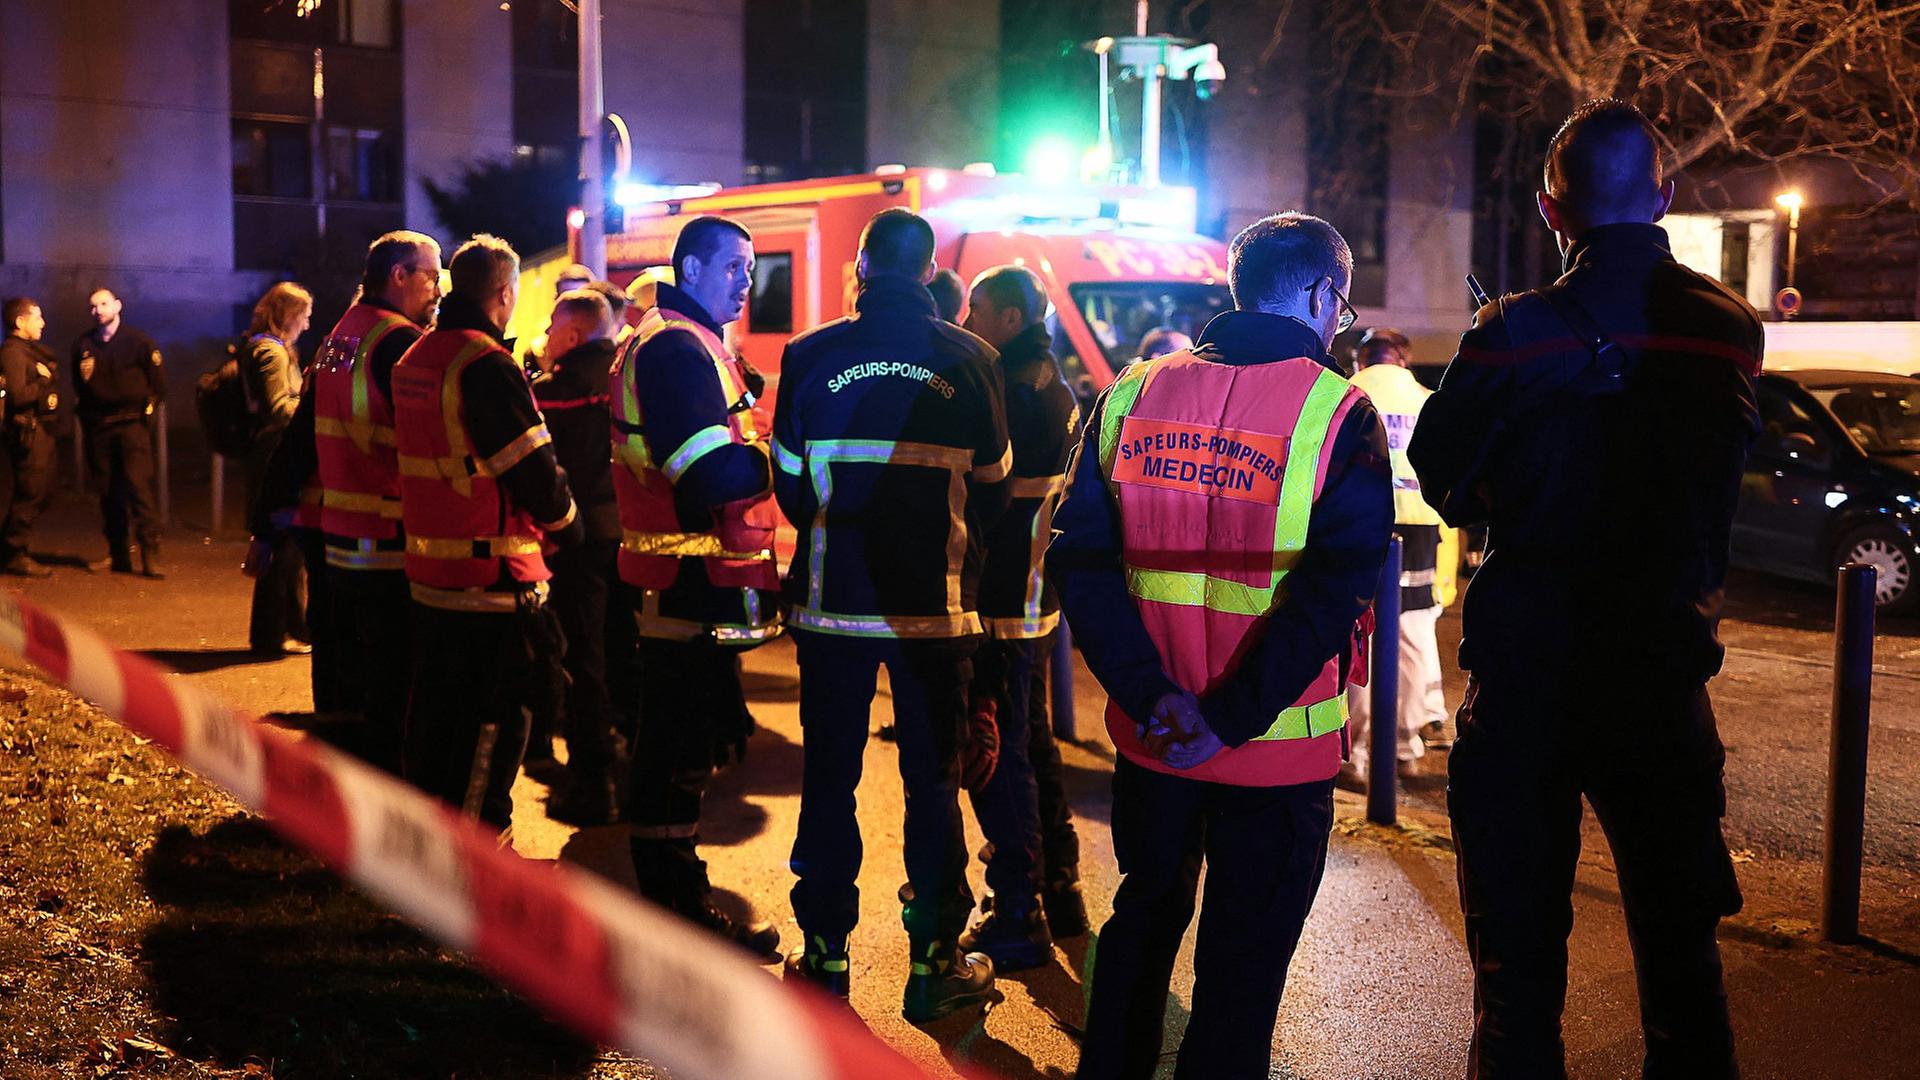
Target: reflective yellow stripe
{"type": "Point", "coordinates": [347, 559]}
{"type": "Point", "coordinates": [684, 545]}
{"type": "Point", "coordinates": [355, 502]}
{"type": "Point", "coordinates": [1308, 721]}
{"type": "Point", "coordinates": [650, 623]}
{"type": "Point", "coordinates": [1022, 628]}
{"type": "Point", "coordinates": [788, 461]}
{"type": "Point", "coordinates": [447, 468]}
{"type": "Point", "coordinates": [360, 434]}
{"type": "Point", "coordinates": [886, 626]}
{"type": "Point", "coordinates": [487, 547]}
{"type": "Point", "coordinates": [516, 451]}
{"type": "Point", "coordinates": [481, 600]}
{"type": "Point", "coordinates": [363, 431]}
{"type": "Point", "coordinates": [1119, 403]}
{"type": "Point", "coordinates": [1037, 487]}
{"type": "Point", "coordinates": [1194, 589]}
{"type": "Point", "coordinates": [995, 472]}
{"type": "Point", "coordinates": [573, 511]}
{"type": "Point", "coordinates": [822, 454]}
{"type": "Point", "coordinates": [450, 405]}
{"type": "Point", "coordinates": [699, 445]}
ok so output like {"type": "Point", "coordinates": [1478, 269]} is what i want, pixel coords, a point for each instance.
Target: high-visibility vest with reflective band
{"type": "Point", "coordinates": [736, 552]}
{"type": "Point", "coordinates": [1216, 468]}
{"type": "Point", "coordinates": [1398, 397]}
{"type": "Point", "coordinates": [460, 529]}
{"type": "Point", "coordinates": [353, 436]}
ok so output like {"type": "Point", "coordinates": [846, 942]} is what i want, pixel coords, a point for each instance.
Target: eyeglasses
{"type": "Point", "coordinates": [1348, 316]}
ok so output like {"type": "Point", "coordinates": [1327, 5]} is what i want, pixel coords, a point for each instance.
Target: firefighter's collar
{"type": "Point", "coordinates": [1256, 337]}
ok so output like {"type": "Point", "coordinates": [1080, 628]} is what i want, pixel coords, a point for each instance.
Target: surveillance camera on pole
{"type": "Point", "coordinates": [1152, 59]}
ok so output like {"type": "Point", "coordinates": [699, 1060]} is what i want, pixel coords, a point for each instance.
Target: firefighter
{"type": "Point", "coordinates": [696, 553]}
{"type": "Point", "coordinates": [27, 375]}
{"type": "Point", "coordinates": [573, 396]}
{"type": "Point", "coordinates": [481, 495]}
{"type": "Point", "coordinates": [1381, 372]}
{"type": "Point", "coordinates": [117, 382]}
{"type": "Point", "coordinates": [1599, 426]}
{"type": "Point", "coordinates": [899, 418]}
{"type": "Point", "coordinates": [1034, 853]}
{"type": "Point", "coordinates": [353, 444]}
{"type": "Point", "coordinates": [1224, 525]}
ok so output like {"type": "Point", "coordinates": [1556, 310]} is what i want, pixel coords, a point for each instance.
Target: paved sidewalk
{"type": "Point", "coordinates": [1379, 988]}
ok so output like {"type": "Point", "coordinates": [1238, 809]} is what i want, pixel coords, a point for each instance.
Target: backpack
{"type": "Point", "coordinates": [222, 403]}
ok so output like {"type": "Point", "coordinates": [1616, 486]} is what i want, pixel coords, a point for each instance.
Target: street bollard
{"type": "Point", "coordinates": [1383, 730]}
{"type": "Point", "coordinates": [219, 508]}
{"type": "Point", "coordinates": [1062, 674]}
{"type": "Point", "coordinates": [1847, 763]}
{"type": "Point", "coordinates": [160, 448]}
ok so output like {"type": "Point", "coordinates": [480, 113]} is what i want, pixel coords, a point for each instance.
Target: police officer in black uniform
{"type": "Point", "coordinates": [1033, 862]}
{"type": "Point", "coordinates": [890, 454]}
{"type": "Point", "coordinates": [1599, 426]}
{"type": "Point", "coordinates": [117, 379]}
{"type": "Point", "coordinates": [27, 370]}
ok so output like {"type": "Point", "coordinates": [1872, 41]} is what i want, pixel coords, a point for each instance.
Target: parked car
{"type": "Point", "coordinates": [1834, 477]}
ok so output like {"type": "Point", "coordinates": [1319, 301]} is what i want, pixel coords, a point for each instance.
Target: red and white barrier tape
{"type": "Point", "coordinates": [612, 967]}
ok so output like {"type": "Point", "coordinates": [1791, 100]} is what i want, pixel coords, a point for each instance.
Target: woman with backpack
{"type": "Point", "coordinates": [271, 376]}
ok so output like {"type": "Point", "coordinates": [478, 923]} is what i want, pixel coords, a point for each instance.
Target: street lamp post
{"type": "Point", "coordinates": [1791, 201]}
{"type": "Point", "coordinates": [593, 186]}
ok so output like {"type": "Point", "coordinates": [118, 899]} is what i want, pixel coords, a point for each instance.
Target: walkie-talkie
{"type": "Point", "coordinates": [1479, 295]}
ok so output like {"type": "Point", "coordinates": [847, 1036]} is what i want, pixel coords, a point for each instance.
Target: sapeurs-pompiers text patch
{"type": "Point", "coordinates": [1245, 465]}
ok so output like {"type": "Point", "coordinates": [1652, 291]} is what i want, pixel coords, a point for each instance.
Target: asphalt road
{"type": "Point", "coordinates": [1380, 985]}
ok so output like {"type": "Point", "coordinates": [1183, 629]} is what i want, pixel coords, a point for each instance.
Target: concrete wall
{"type": "Point", "coordinates": [453, 118]}
{"type": "Point", "coordinates": [675, 70]}
{"type": "Point", "coordinates": [115, 159]}
{"type": "Point", "coordinates": [933, 86]}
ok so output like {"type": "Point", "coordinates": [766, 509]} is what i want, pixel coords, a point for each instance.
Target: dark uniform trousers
{"type": "Point", "coordinates": [475, 676]}
{"type": "Point", "coordinates": [25, 487]}
{"type": "Point", "coordinates": [686, 688]}
{"type": "Point", "coordinates": [370, 614]}
{"type": "Point", "coordinates": [1523, 759]}
{"type": "Point", "coordinates": [929, 679]}
{"type": "Point", "coordinates": [336, 688]}
{"type": "Point", "coordinates": [120, 457]}
{"type": "Point", "coordinates": [1023, 809]}
{"type": "Point", "coordinates": [583, 577]}
{"type": "Point", "coordinates": [1265, 849]}
{"type": "Point", "coordinates": [279, 591]}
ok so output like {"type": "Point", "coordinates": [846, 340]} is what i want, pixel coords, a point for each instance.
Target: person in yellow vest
{"type": "Point", "coordinates": [1381, 372]}
{"type": "Point", "coordinates": [1226, 516]}
{"type": "Point", "coordinates": [481, 498]}
{"type": "Point", "coordinates": [694, 487]}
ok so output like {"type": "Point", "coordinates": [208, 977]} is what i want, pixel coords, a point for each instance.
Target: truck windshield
{"type": "Point", "coordinates": [1119, 313]}
{"type": "Point", "coordinates": [1884, 418]}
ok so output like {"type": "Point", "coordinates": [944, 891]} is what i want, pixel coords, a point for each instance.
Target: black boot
{"type": "Point", "coordinates": [1066, 909]}
{"type": "Point", "coordinates": [119, 558]}
{"type": "Point", "coordinates": [823, 962]}
{"type": "Point", "coordinates": [1014, 936]}
{"type": "Point", "coordinates": [672, 875]}
{"type": "Point", "coordinates": [757, 936]}
{"type": "Point", "coordinates": [150, 561]}
{"type": "Point", "coordinates": [944, 979]}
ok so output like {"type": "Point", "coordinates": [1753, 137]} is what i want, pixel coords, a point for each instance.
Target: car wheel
{"type": "Point", "coordinates": [1896, 589]}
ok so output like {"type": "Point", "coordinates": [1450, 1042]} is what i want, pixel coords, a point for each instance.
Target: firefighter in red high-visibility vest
{"type": "Point", "coordinates": [481, 496]}
{"type": "Point", "coordinates": [353, 444]}
{"type": "Point", "coordinates": [694, 486]}
{"type": "Point", "coordinates": [1225, 521]}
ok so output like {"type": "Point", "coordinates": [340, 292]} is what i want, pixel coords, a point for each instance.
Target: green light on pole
{"type": "Point", "coordinates": [1052, 160]}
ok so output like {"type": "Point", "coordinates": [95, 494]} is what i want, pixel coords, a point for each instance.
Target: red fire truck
{"type": "Point", "coordinates": [1117, 261]}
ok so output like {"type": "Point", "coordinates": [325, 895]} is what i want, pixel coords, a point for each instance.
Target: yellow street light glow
{"type": "Point", "coordinates": [1790, 201]}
